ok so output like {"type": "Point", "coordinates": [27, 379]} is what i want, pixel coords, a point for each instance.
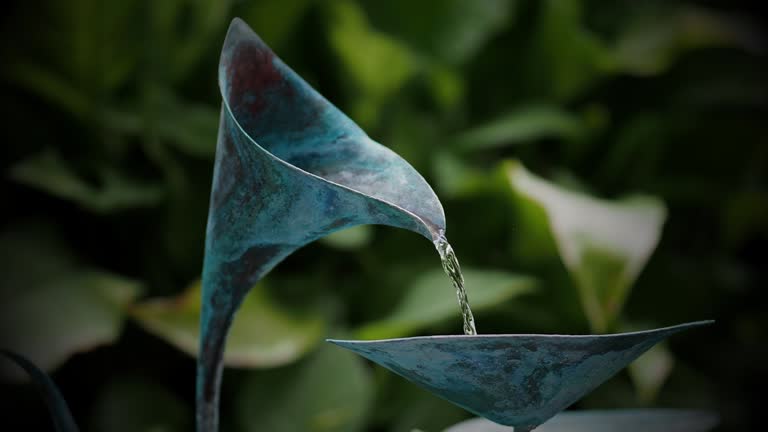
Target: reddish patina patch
{"type": "Point", "coordinates": [251, 73]}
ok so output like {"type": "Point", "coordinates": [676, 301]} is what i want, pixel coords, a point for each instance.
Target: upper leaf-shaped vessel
{"type": "Point", "coordinates": [290, 168]}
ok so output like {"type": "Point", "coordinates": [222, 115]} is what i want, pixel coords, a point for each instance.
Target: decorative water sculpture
{"type": "Point", "coordinates": [291, 168]}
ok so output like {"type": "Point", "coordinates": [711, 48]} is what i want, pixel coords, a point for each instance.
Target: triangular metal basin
{"type": "Point", "coordinates": [513, 380]}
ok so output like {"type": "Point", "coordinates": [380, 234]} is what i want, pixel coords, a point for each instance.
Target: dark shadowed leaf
{"type": "Point", "coordinates": [48, 172]}
{"type": "Point", "coordinates": [329, 391]}
{"type": "Point", "coordinates": [455, 30]}
{"type": "Point", "coordinates": [47, 317]}
{"type": "Point", "coordinates": [136, 404]}
{"type": "Point", "coordinates": [656, 37]}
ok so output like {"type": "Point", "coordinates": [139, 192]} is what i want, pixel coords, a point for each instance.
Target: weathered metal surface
{"type": "Point", "coordinates": [513, 380]}
{"type": "Point", "coordinates": [636, 420]}
{"type": "Point", "coordinates": [290, 168]}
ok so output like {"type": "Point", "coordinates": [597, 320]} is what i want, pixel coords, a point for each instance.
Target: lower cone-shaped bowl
{"type": "Point", "coordinates": [513, 380]}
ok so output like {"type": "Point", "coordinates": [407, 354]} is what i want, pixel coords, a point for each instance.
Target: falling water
{"type": "Point", "coordinates": [453, 270]}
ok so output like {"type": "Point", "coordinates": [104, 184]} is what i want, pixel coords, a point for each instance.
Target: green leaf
{"type": "Point", "coordinates": [431, 300]}
{"type": "Point", "coordinates": [454, 31]}
{"type": "Point", "coordinates": [525, 124]}
{"type": "Point", "coordinates": [48, 172]}
{"type": "Point", "coordinates": [329, 391]}
{"type": "Point", "coordinates": [136, 404]}
{"type": "Point", "coordinates": [603, 244]}
{"type": "Point", "coordinates": [377, 64]}
{"type": "Point", "coordinates": [350, 238]}
{"type": "Point", "coordinates": [275, 20]}
{"type": "Point", "coordinates": [567, 57]}
{"type": "Point", "coordinates": [262, 335]}
{"type": "Point", "coordinates": [47, 317]}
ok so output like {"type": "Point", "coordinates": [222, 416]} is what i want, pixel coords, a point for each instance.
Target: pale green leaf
{"type": "Point", "coordinates": [329, 391]}
{"type": "Point", "coordinates": [350, 238]}
{"type": "Point", "coordinates": [262, 335]}
{"type": "Point", "coordinates": [650, 371]}
{"type": "Point", "coordinates": [431, 299]}
{"type": "Point", "coordinates": [603, 244]}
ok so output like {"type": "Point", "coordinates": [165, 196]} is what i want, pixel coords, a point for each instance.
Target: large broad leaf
{"type": "Point", "coordinates": [431, 300]}
{"type": "Point", "coordinates": [135, 404]}
{"type": "Point", "coordinates": [330, 391]}
{"type": "Point", "coordinates": [377, 64]}
{"type": "Point", "coordinates": [262, 334]}
{"type": "Point", "coordinates": [47, 171]}
{"type": "Point", "coordinates": [603, 244]}
{"type": "Point", "coordinates": [455, 30]}
{"type": "Point", "coordinates": [608, 421]}
{"type": "Point", "coordinates": [51, 308]}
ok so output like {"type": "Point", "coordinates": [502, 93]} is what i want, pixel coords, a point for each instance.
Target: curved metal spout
{"type": "Point", "coordinates": [290, 168]}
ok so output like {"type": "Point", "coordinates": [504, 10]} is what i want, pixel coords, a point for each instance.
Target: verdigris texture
{"type": "Point", "coordinates": [513, 380]}
{"type": "Point", "coordinates": [290, 168]}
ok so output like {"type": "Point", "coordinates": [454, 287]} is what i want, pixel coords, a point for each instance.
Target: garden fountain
{"type": "Point", "coordinates": [291, 168]}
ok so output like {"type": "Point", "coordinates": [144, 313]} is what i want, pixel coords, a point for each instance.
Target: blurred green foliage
{"type": "Point", "coordinates": [533, 120]}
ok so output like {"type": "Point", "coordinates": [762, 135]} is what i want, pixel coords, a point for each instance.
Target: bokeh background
{"type": "Point", "coordinates": [110, 112]}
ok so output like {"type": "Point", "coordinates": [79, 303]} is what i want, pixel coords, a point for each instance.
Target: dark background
{"type": "Point", "coordinates": [110, 112]}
